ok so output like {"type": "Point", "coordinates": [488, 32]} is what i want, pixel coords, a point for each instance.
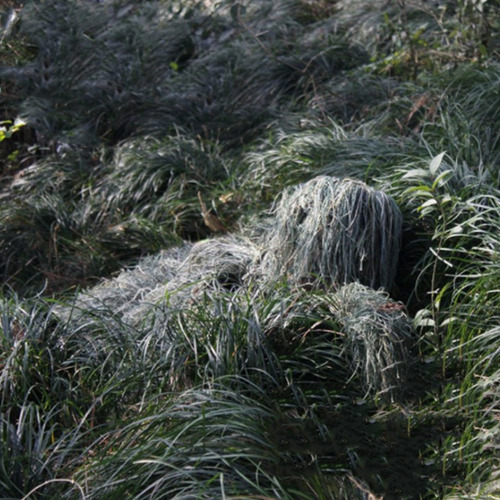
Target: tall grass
{"type": "Point", "coordinates": [220, 344]}
{"type": "Point", "coordinates": [206, 444]}
{"type": "Point", "coordinates": [341, 341]}
{"type": "Point", "coordinates": [44, 407]}
{"type": "Point", "coordinates": [457, 204]}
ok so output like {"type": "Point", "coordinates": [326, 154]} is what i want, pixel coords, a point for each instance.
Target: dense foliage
{"type": "Point", "coordinates": [340, 339]}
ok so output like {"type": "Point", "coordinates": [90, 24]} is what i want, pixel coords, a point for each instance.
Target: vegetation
{"type": "Point", "coordinates": [340, 339]}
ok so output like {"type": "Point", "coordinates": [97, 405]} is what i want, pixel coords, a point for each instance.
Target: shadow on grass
{"type": "Point", "coordinates": [396, 452]}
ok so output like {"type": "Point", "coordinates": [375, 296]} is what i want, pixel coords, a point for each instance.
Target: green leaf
{"type": "Point", "coordinates": [418, 173]}
{"type": "Point", "coordinates": [423, 317]}
{"type": "Point", "coordinates": [419, 189]}
{"type": "Point", "coordinates": [436, 163]}
{"type": "Point", "coordinates": [440, 294]}
{"type": "Point", "coordinates": [442, 179]}
{"type": "Point", "coordinates": [419, 192]}
{"type": "Point", "coordinates": [6, 133]}
{"type": "Point", "coordinates": [441, 259]}
{"type": "Point", "coordinates": [429, 203]}
{"type": "Point", "coordinates": [450, 319]}
{"type": "Point", "coordinates": [18, 123]}
{"type": "Point", "coordinates": [459, 229]}
{"type": "Point", "coordinates": [427, 207]}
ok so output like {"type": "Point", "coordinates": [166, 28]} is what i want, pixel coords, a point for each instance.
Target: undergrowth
{"type": "Point", "coordinates": [341, 341]}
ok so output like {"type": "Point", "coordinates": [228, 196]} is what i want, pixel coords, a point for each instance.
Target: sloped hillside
{"type": "Point", "coordinates": [249, 249]}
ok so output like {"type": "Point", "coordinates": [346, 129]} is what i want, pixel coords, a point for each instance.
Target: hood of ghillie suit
{"type": "Point", "coordinates": [334, 231]}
